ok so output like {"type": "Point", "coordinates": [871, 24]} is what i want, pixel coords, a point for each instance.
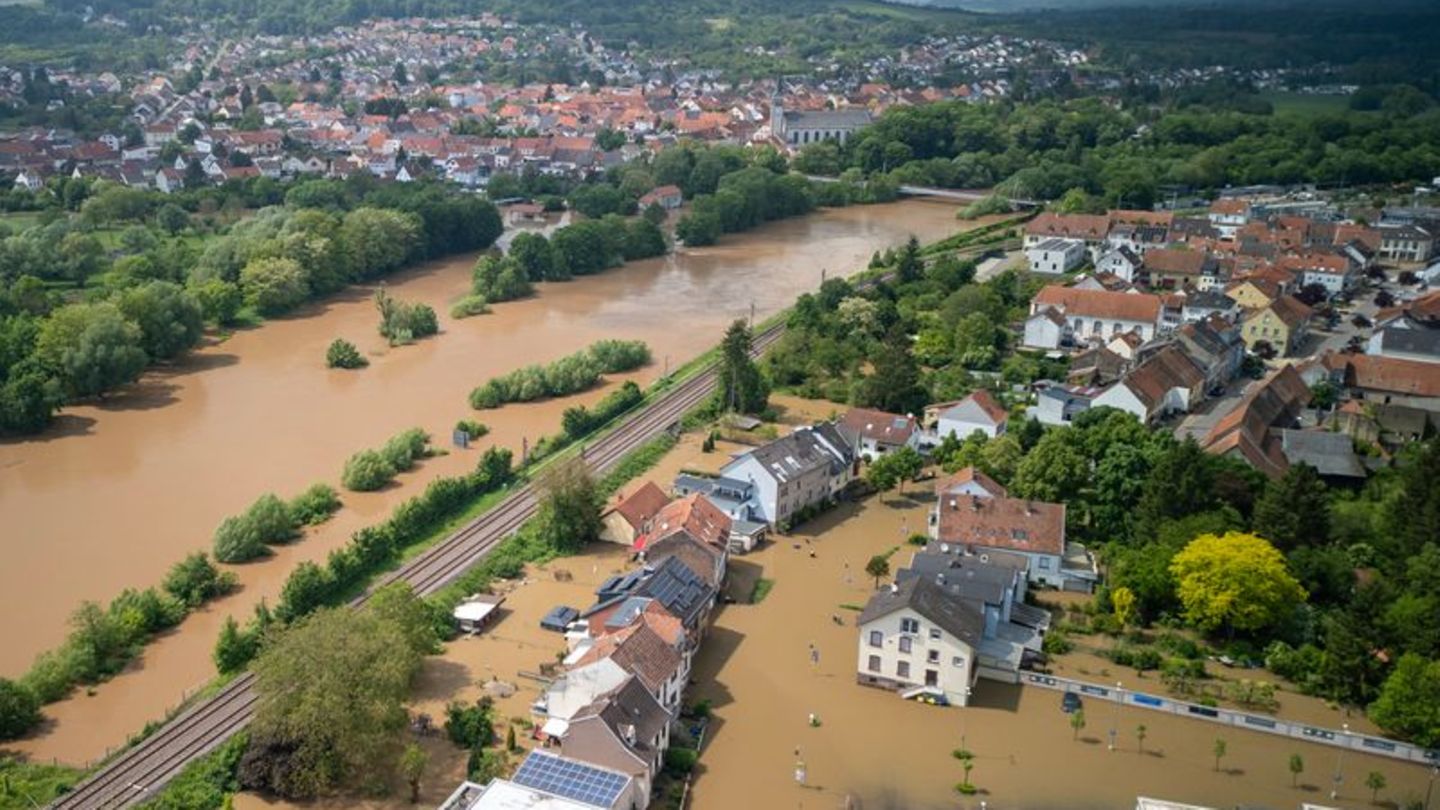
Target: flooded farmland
{"type": "Point", "coordinates": [116, 493]}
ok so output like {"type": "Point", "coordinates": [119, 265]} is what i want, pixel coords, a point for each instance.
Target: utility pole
{"type": "Point", "coordinates": [1115, 718]}
{"type": "Point", "coordinates": [1339, 760]}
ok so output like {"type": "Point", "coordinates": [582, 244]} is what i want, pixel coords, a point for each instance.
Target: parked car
{"type": "Point", "coordinates": [1070, 703]}
{"type": "Point", "coordinates": [559, 618]}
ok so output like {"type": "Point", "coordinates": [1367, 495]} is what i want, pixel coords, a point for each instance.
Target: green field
{"type": "Point", "coordinates": [1305, 104]}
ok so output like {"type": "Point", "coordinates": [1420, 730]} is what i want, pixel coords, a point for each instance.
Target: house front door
{"type": "Point", "coordinates": [932, 677]}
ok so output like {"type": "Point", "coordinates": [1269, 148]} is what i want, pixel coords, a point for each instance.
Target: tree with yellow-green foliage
{"type": "Point", "coordinates": [1236, 581]}
{"type": "Point", "coordinates": [1122, 599]}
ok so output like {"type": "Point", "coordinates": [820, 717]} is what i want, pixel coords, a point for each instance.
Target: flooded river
{"type": "Point", "coordinates": [115, 494]}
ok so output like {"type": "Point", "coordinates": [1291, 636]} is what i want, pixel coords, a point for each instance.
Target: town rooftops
{"type": "Point", "coordinates": [1331, 454]}
{"type": "Point", "coordinates": [1391, 375]}
{"type": "Point", "coordinates": [571, 779]}
{"type": "Point", "coordinates": [879, 426]}
{"type": "Point", "coordinates": [1419, 341]}
{"type": "Point", "coordinates": [960, 618]}
{"type": "Point", "coordinates": [678, 588]}
{"type": "Point", "coordinates": [1001, 522]}
{"type": "Point", "coordinates": [631, 713]}
{"type": "Point", "coordinates": [1162, 372]}
{"type": "Point", "coordinates": [1290, 310]}
{"type": "Point", "coordinates": [969, 475]}
{"type": "Point", "coordinates": [1176, 262]}
{"type": "Point", "coordinates": [641, 505]}
{"type": "Point", "coordinates": [980, 406]}
{"type": "Point", "coordinates": [803, 450]}
{"type": "Point", "coordinates": [1245, 429]}
{"type": "Point", "coordinates": [694, 514]}
{"type": "Point", "coordinates": [1101, 304]}
{"type": "Point", "coordinates": [1073, 226]}
{"type": "Point", "coordinates": [638, 650]}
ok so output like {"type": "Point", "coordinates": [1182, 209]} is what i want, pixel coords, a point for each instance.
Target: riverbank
{"type": "Point", "coordinates": [263, 395]}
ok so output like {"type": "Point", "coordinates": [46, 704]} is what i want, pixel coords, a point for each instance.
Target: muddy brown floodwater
{"type": "Point", "coordinates": [872, 750]}
{"type": "Point", "coordinates": [116, 493]}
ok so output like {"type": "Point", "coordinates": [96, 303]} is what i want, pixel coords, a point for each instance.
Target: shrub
{"type": "Point", "coordinates": [308, 587]}
{"type": "Point", "coordinates": [470, 726]}
{"type": "Point", "coordinates": [568, 375]}
{"type": "Point", "coordinates": [19, 709]}
{"type": "Point", "coordinates": [237, 540]}
{"type": "Point", "coordinates": [401, 451]}
{"type": "Point", "coordinates": [470, 305]}
{"type": "Point", "coordinates": [195, 580]}
{"type": "Point", "coordinates": [615, 356]}
{"type": "Point", "coordinates": [343, 354]}
{"type": "Point", "coordinates": [1056, 642]}
{"type": "Point", "coordinates": [680, 761]}
{"type": "Point", "coordinates": [472, 428]}
{"type": "Point", "coordinates": [579, 421]}
{"type": "Point", "coordinates": [315, 505]}
{"type": "Point", "coordinates": [272, 519]}
{"type": "Point", "coordinates": [402, 322]}
{"type": "Point", "coordinates": [366, 471]}
{"type": "Point", "coordinates": [235, 648]}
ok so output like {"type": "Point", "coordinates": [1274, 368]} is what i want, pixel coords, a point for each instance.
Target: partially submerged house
{"type": "Point", "coordinates": [980, 522]}
{"type": "Point", "coordinates": [876, 433]}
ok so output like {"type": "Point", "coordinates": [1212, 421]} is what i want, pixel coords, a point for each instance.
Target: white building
{"type": "Point", "coordinates": [1121, 262]}
{"type": "Point", "coordinates": [1058, 314]}
{"type": "Point", "coordinates": [979, 411]}
{"type": "Point", "coordinates": [1056, 256]}
{"type": "Point", "coordinates": [794, 472]}
{"type": "Point", "coordinates": [916, 638]}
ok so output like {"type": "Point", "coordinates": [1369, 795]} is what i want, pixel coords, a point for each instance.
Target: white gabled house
{"type": "Point", "coordinates": [794, 472]}
{"type": "Point", "coordinates": [979, 411]}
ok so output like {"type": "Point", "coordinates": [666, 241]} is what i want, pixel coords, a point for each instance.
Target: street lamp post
{"type": "Point", "coordinates": [1339, 761]}
{"type": "Point", "coordinates": [966, 692]}
{"type": "Point", "coordinates": [1115, 718]}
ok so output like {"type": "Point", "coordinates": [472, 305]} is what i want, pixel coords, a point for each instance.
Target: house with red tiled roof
{"type": "Point", "coordinates": [970, 518]}
{"type": "Point", "coordinates": [630, 516]}
{"type": "Point", "coordinates": [1167, 382]}
{"type": "Point", "coordinates": [1387, 380]}
{"type": "Point", "coordinates": [969, 481]}
{"type": "Point", "coordinates": [876, 433]}
{"type": "Point", "coordinates": [978, 412]}
{"type": "Point", "coordinates": [1174, 268]}
{"type": "Point", "coordinates": [1282, 324]}
{"type": "Point", "coordinates": [1248, 430]}
{"type": "Point", "coordinates": [667, 197]}
{"type": "Point", "coordinates": [1089, 228]}
{"type": "Point", "coordinates": [1062, 314]}
{"type": "Point", "coordinates": [694, 515]}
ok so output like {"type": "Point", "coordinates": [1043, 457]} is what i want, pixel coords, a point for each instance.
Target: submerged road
{"type": "Point", "coordinates": [140, 772]}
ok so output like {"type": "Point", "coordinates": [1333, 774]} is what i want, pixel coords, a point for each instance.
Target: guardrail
{"type": "Point", "coordinates": [1338, 738]}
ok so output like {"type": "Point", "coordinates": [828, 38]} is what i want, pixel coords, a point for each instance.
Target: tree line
{"type": "Point", "coordinates": [79, 319]}
{"type": "Point", "coordinates": [1132, 156]}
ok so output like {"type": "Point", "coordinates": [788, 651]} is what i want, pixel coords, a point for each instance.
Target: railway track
{"type": "Point", "coordinates": [141, 771]}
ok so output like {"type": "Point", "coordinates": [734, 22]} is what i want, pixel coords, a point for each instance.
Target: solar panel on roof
{"type": "Point", "coordinates": [573, 780]}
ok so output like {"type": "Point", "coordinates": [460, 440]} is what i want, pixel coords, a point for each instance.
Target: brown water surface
{"type": "Point", "coordinates": [118, 492]}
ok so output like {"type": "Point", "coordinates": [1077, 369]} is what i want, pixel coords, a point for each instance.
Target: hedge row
{"type": "Point", "coordinates": [369, 470]}
{"type": "Point", "coordinates": [568, 375]}
{"type": "Point", "coordinates": [370, 551]}
{"type": "Point", "coordinates": [103, 640]}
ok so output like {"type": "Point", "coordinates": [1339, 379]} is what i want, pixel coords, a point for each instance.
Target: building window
{"type": "Point", "coordinates": [1045, 563]}
{"type": "Point", "coordinates": [934, 634]}
{"type": "Point", "coordinates": [876, 638]}
{"type": "Point", "coordinates": [904, 644]}
{"type": "Point", "coordinates": [909, 625]}
{"type": "Point", "coordinates": [902, 669]}
{"type": "Point", "coordinates": [958, 661]}
{"type": "Point", "coordinates": [874, 665]}
{"type": "Point", "coordinates": [932, 657]}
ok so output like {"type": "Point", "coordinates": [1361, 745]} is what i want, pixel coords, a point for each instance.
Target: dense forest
{"type": "Point", "coordinates": [760, 38]}
{"type": "Point", "coordinates": [1131, 157]}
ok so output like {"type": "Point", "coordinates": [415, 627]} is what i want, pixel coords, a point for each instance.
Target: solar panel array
{"type": "Point", "coordinates": [570, 779]}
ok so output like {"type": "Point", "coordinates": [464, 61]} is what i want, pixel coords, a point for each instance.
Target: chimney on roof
{"type": "Point", "coordinates": [974, 503]}
{"type": "Point", "coordinates": [629, 731]}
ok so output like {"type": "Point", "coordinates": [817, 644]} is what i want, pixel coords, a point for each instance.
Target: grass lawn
{"type": "Point", "coordinates": [1305, 104]}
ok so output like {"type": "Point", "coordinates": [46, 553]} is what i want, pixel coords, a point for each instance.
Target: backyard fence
{"type": "Point", "coordinates": [1229, 717]}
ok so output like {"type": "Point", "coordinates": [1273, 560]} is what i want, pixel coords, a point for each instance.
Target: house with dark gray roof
{"type": "Point", "coordinates": [794, 472]}
{"type": "Point", "coordinates": [919, 639]}
{"type": "Point", "coordinates": [626, 731]}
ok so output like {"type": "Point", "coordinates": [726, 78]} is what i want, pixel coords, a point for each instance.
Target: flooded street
{"type": "Point", "coordinates": [117, 493]}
